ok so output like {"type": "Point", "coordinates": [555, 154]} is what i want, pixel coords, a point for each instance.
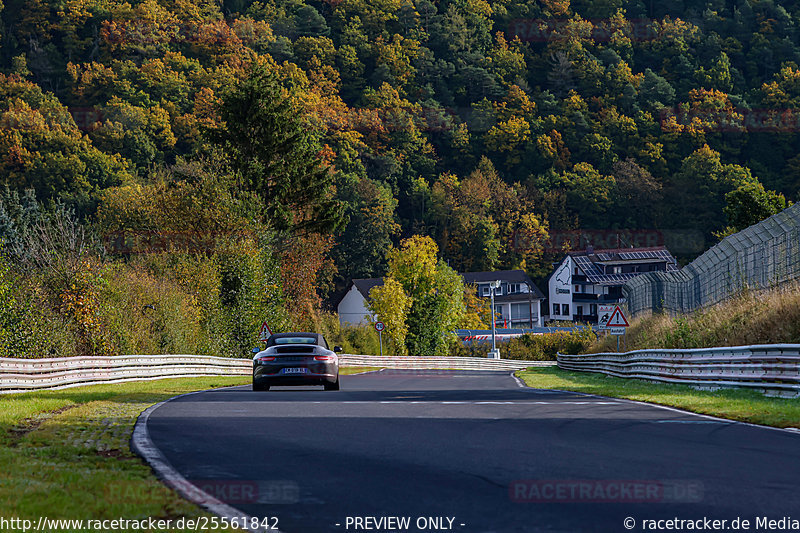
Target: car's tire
{"type": "Point", "coordinates": [260, 386]}
{"type": "Point", "coordinates": [333, 386]}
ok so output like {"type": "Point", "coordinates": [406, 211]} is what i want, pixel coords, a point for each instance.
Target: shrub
{"type": "Point", "coordinates": [354, 339]}
{"type": "Point", "coordinates": [469, 349]}
{"type": "Point", "coordinates": [29, 327]}
{"type": "Point", "coordinates": [7, 305]}
{"type": "Point", "coordinates": [545, 347]}
{"type": "Point", "coordinates": [229, 293]}
{"type": "Point", "coordinates": [146, 314]}
{"type": "Point", "coordinates": [528, 347]}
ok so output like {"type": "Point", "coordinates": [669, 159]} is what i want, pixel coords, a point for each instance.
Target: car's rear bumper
{"type": "Point", "coordinates": [316, 375]}
{"type": "Point", "coordinates": [311, 379]}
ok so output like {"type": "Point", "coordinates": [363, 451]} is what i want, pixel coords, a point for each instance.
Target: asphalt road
{"type": "Point", "coordinates": [474, 448]}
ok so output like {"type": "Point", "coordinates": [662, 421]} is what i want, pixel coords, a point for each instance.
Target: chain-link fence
{"type": "Point", "coordinates": [762, 256]}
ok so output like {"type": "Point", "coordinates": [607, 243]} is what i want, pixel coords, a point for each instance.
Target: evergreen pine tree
{"type": "Point", "coordinates": [275, 154]}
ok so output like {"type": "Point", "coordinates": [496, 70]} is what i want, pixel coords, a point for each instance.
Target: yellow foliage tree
{"type": "Point", "coordinates": [391, 304]}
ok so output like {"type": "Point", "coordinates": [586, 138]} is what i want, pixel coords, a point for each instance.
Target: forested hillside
{"type": "Point", "coordinates": [472, 121]}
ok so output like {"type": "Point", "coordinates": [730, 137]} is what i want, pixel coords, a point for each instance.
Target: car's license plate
{"type": "Point", "coordinates": [294, 370]}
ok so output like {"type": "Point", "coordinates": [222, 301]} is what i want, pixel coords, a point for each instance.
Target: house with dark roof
{"type": "Point", "coordinates": [518, 300]}
{"type": "Point", "coordinates": [585, 279]}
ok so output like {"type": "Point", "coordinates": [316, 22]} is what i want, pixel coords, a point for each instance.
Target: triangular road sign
{"type": "Point", "coordinates": [264, 333]}
{"type": "Point", "coordinates": [617, 319]}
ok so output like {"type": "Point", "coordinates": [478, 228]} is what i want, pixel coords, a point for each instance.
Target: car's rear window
{"type": "Point", "coordinates": [295, 340]}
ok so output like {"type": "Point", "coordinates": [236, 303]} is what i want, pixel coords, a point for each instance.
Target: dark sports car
{"type": "Point", "coordinates": [296, 359]}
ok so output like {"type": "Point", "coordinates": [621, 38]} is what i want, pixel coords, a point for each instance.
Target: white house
{"type": "Point", "coordinates": [585, 279]}
{"type": "Point", "coordinates": [352, 307]}
{"type": "Point", "coordinates": [518, 302]}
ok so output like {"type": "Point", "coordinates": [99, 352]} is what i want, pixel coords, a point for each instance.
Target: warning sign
{"type": "Point", "coordinates": [604, 314]}
{"type": "Point", "coordinates": [617, 319]}
{"type": "Point", "coordinates": [264, 333]}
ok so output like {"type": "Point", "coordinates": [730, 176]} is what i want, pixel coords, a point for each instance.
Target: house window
{"type": "Point", "coordinates": [617, 270]}
{"type": "Point", "coordinates": [520, 311]}
{"type": "Point", "coordinates": [485, 290]}
{"type": "Point", "coordinates": [576, 271]}
{"type": "Point", "coordinates": [593, 309]}
{"type": "Point", "coordinates": [635, 269]}
{"type": "Point", "coordinates": [577, 288]}
{"type": "Point", "coordinates": [514, 288]}
{"type": "Point", "coordinates": [565, 309]}
{"type": "Point", "coordinates": [556, 309]}
{"type": "Point", "coordinates": [580, 310]}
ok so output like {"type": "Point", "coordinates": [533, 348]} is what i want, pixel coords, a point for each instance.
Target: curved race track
{"type": "Point", "coordinates": [474, 448]}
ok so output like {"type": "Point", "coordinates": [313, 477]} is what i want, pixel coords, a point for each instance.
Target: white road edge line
{"type": "Point", "coordinates": [792, 431]}
{"type": "Point", "coordinates": [146, 448]}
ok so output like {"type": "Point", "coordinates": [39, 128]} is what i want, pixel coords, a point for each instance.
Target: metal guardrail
{"type": "Point", "coordinates": [456, 363]}
{"type": "Point", "coordinates": [19, 375]}
{"type": "Point", "coordinates": [770, 368]}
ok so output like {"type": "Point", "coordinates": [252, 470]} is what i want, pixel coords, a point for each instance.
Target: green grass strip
{"type": "Point", "coordinates": [66, 453]}
{"type": "Point", "coordinates": [733, 404]}
{"type": "Point", "coordinates": [350, 370]}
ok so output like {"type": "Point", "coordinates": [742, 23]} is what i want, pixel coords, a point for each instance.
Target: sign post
{"type": "Point", "coordinates": [495, 353]}
{"type": "Point", "coordinates": [379, 327]}
{"type": "Point", "coordinates": [617, 323]}
{"type": "Point", "coordinates": [264, 333]}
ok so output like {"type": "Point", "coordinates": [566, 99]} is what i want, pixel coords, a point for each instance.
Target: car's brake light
{"type": "Point", "coordinates": [325, 358]}
{"type": "Point", "coordinates": [264, 359]}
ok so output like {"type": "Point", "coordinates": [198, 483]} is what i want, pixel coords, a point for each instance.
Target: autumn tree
{"type": "Point", "coordinates": [391, 304]}
{"type": "Point", "coordinates": [431, 302]}
{"type": "Point", "coordinates": [749, 204]}
{"type": "Point", "coordinates": [637, 194]}
{"type": "Point", "coordinates": [43, 149]}
{"type": "Point", "coordinates": [697, 192]}
{"type": "Point", "coordinates": [366, 238]}
{"type": "Point", "coordinates": [482, 223]}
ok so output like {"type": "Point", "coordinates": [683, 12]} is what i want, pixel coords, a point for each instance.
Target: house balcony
{"type": "Point", "coordinates": [587, 319]}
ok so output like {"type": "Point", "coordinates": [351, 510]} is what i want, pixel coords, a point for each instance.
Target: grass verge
{"type": "Point", "coordinates": [66, 453]}
{"type": "Point", "coordinates": [733, 404]}
{"type": "Point", "coordinates": [350, 370]}
{"type": "Point", "coordinates": [766, 317]}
